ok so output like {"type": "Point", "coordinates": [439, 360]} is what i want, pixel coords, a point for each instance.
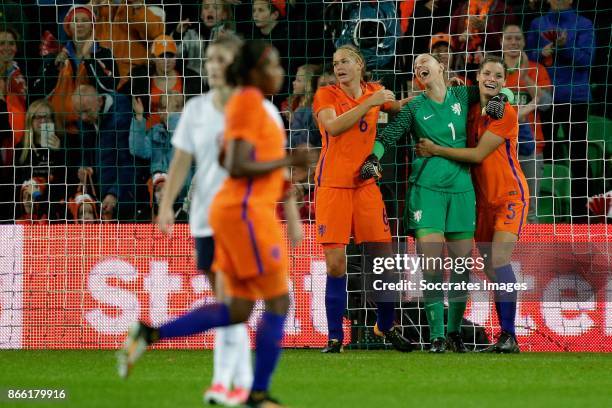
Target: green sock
{"type": "Point", "coordinates": [457, 302]}
{"type": "Point", "coordinates": [435, 319]}
{"type": "Point", "coordinates": [434, 307]}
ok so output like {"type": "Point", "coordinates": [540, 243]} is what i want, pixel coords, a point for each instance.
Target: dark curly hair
{"type": "Point", "coordinates": [250, 56]}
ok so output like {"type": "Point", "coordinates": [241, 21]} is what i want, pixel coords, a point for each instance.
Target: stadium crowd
{"type": "Point", "coordinates": [91, 93]}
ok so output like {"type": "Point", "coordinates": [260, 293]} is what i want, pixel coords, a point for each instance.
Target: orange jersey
{"type": "Point", "coordinates": [250, 118]}
{"type": "Point", "coordinates": [539, 75]}
{"type": "Point", "coordinates": [342, 156]}
{"type": "Point", "coordinates": [499, 177]}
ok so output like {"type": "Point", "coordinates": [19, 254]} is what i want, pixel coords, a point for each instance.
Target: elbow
{"type": "Point", "coordinates": [331, 130]}
{"type": "Point", "coordinates": [236, 170]}
{"type": "Point", "coordinates": [478, 158]}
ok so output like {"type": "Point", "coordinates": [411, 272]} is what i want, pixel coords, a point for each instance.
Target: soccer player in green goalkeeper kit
{"type": "Point", "coordinates": [441, 204]}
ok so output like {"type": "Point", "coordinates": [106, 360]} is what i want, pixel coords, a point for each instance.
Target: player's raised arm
{"type": "Point", "coordinates": [396, 129]}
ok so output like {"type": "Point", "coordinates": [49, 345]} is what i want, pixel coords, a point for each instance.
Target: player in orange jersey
{"type": "Point", "coordinates": [249, 249]}
{"type": "Point", "coordinates": [502, 195]}
{"type": "Point", "coordinates": [347, 113]}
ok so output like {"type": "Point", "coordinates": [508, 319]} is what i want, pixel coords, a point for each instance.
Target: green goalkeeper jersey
{"type": "Point", "coordinates": [444, 124]}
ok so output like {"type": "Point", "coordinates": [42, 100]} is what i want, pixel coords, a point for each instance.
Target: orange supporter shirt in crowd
{"type": "Point", "coordinates": [515, 83]}
{"type": "Point", "coordinates": [499, 177]}
{"type": "Point", "coordinates": [253, 119]}
{"type": "Point", "coordinates": [342, 156]}
{"type": "Point", "coordinates": [156, 94]}
{"type": "Point", "coordinates": [126, 30]}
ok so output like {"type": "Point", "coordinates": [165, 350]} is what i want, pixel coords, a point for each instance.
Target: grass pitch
{"type": "Point", "coordinates": [306, 378]}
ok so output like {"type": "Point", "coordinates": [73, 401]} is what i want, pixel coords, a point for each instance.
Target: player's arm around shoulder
{"type": "Point", "coordinates": [505, 127]}
{"type": "Point", "coordinates": [326, 115]}
{"type": "Point", "coordinates": [397, 128]}
{"type": "Point", "coordinates": [498, 130]}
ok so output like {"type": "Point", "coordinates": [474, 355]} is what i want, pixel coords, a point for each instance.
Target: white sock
{"type": "Point", "coordinates": [243, 371]}
{"type": "Point", "coordinates": [227, 351]}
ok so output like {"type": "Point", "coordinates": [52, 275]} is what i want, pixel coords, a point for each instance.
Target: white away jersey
{"type": "Point", "coordinates": [200, 133]}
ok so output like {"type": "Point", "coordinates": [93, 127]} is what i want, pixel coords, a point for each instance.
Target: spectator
{"type": "Point", "coordinates": [13, 88]}
{"type": "Point", "coordinates": [564, 42]}
{"type": "Point", "coordinates": [104, 153]}
{"type": "Point", "coordinates": [476, 27]}
{"type": "Point", "coordinates": [326, 78]}
{"type": "Point", "coordinates": [38, 157]}
{"type": "Point", "coordinates": [29, 210]}
{"type": "Point", "coordinates": [13, 17]}
{"type": "Point", "coordinates": [373, 27]}
{"type": "Point", "coordinates": [84, 209]}
{"type": "Point", "coordinates": [269, 17]}
{"type": "Point", "coordinates": [193, 38]}
{"type": "Point", "coordinates": [533, 94]}
{"type": "Point", "coordinates": [302, 127]}
{"type": "Point", "coordinates": [125, 28]}
{"type": "Point", "coordinates": [429, 17]}
{"type": "Point", "coordinates": [82, 61]}
{"type": "Point", "coordinates": [12, 118]}
{"type": "Point", "coordinates": [162, 77]}
{"type": "Point", "coordinates": [529, 10]}
{"type": "Point", "coordinates": [154, 144]}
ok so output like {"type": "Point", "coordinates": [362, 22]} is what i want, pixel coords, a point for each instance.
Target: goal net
{"type": "Point", "coordinates": [90, 96]}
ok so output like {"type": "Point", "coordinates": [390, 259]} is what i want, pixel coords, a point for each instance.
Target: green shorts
{"type": "Point", "coordinates": [437, 210]}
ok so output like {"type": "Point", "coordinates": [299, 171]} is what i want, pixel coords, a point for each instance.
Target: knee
{"type": "Point", "coordinates": [240, 310]}
{"type": "Point", "coordinates": [336, 265]}
{"type": "Point", "coordinates": [278, 305]}
{"type": "Point", "coordinates": [337, 268]}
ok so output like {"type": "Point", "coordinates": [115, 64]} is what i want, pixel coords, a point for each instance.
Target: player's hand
{"type": "Point", "coordinates": [495, 106]}
{"type": "Point", "coordinates": [165, 221]}
{"type": "Point", "coordinates": [456, 81]}
{"type": "Point", "coordinates": [601, 204]}
{"type": "Point", "coordinates": [295, 232]}
{"type": "Point", "coordinates": [381, 97]}
{"type": "Point", "coordinates": [426, 148]}
{"type": "Point", "coordinates": [371, 168]}
{"type": "Point", "coordinates": [303, 157]}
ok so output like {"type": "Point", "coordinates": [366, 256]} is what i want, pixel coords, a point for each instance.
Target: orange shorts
{"type": "Point", "coordinates": [342, 212]}
{"type": "Point", "coordinates": [250, 253]}
{"type": "Point", "coordinates": [509, 216]}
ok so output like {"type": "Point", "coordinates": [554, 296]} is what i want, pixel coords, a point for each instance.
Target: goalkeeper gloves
{"type": "Point", "coordinates": [371, 168]}
{"type": "Point", "coordinates": [495, 106]}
